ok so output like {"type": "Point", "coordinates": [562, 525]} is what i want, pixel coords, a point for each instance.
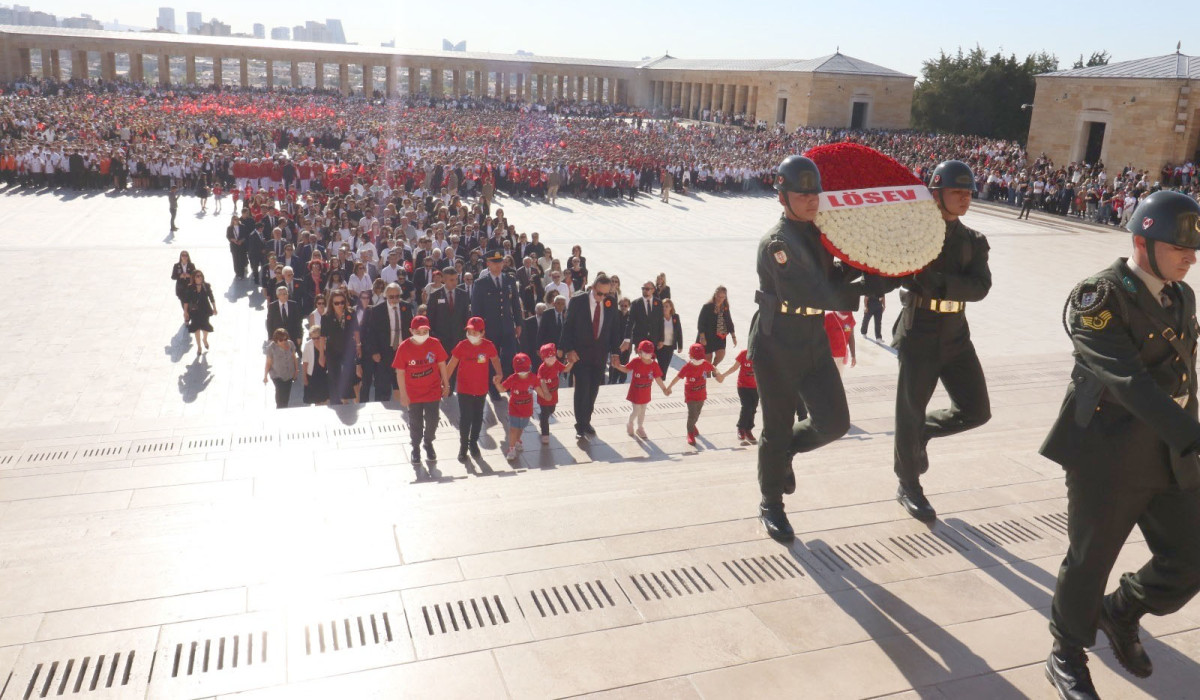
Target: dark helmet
{"type": "Point", "coordinates": [798, 174]}
{"type": "Point", "coordinates": [1170, 217]}
{"type": "Point", "coordinates": [952, 175]}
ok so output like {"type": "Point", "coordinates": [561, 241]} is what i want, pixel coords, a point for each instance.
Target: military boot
{"type": "Point", "coordinates": [1119, 621]}
{"type": "Point", "coordinates": [912, 497]}
{"type": "Point", "coordinates": [1067, 671]}
{"type": "Point", "coordinates": [775, 520]}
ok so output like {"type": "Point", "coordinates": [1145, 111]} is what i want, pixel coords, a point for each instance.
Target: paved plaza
{"type": "Point", "coordinates": [166, 533]}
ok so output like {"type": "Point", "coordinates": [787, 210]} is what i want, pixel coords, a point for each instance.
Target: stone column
{"type": "Point", "coordinates": [189, 64]}
{"type": "Point", "coordinates": [294, 73]}
{"type": "Point", "coordinates": [368, 79]}
{"type": "Point", "coordinates": [50, 67]}
{"type": "Point", "coordinates": [108, 64]}
{"type": "Point", "coordinates": [505, 89]}
{"type": "Point", "coordinates": [164, 69]}
{"type": "Point", "coordinates": [319, 74]}
{"type": "Point", "coordinates": [344, 78]}
{"type": "Point", "coordinates": [414, 80]}
{"type": "Point", "coordinates": [218, 71]}
{"type": "Point", "coordinates": [752, 108]}
{"type": "Point", "coordinates": [739, 99]}
{"type": "Point", "coordinates": [478, 89]}
{"type": "Point", "coordinates": [244, 71]}
{"type": "Point", "coordinates": [612, 91]}
{"type": "Point", "coordinates": [25, 62]}
{"type": "Point", "coordinates": [437, 82]}
{"type": "Point", "coordinates": [456, 78]}
{"type": "Point", "coordinates": [136, 69]}
{"type": "Point", "coordinates": [79, 67]}
{"type": "Point", "coordinates": [389, 80]}
{"type": "Point", "coordinates": [521, 87]}
{"type": "Point", "coordinates": [270, 74]}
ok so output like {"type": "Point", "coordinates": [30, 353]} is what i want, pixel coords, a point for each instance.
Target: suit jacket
{"type": "Point", "coordinates": [498, 306]}
{"type": "Point", "coordinates": [529, 282]}
{"type": "Point", "coordinates": [293, 323]}
{"type": "Point", "coordinates": [529, 339]}
{"type": "Point", "coordinates": [577, 330]}
{"type": "Point", "coordinates": [643, 326]}
{"type": "Point", "coordinates": [549, 328]}
{"type": "Point", "coordinates": [377, 336]}
{"type": "Point", "coordinates": [448, 327]}
{"type": "Point", "coordinates": [422, 277]}
{"type": "Point", "coordinates": [1130, 414]}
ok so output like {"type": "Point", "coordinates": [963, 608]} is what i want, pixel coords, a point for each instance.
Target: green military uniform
{"type": "Point", "coordinates": [798, 281]}
{"type": "Point", "coordinates": [933, 341]}
{"type": "Point", "coordinates": [1126, 436]}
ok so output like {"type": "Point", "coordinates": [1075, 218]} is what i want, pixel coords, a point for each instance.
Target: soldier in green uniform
{"type": "Point", "coordinates": [933, 340]}
{"type": "Point", "coordinates": [798, 282]}
{"type": "Point", "coordinates": [1127, 437]}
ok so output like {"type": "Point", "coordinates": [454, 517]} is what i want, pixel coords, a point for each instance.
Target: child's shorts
{"type": "Point", "coordinates": [518, 423]}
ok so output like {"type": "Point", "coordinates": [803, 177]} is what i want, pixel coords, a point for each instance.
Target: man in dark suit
{"type": "Point", "coordinates": [646, 318]}
{"type": "Point", "coordinates": [591, 338]}
{"type": "Point", "coordinates": [529, 282]}
{"type": "Point", "coordinates": [529, 334]}
{"type": "Point", "coordinates": [423, 276]}
{"type": "Point", "coordinates": [257, 255]}
{"type": "Point", "coordinates": [387, 326]}
{"type": "Point", "coordinates": [448, 311]}
{"type": "Point", "coordinates": [495, 300]}
{"type": "Point", "coordinates": [286, 314]}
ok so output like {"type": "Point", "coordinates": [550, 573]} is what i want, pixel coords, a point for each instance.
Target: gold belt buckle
{"type": "Point", "coordinates": [809, 311]}
{"type": "Point", "coordinates": [945, 306]}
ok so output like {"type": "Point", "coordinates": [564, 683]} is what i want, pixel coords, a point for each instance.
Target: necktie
{"type": "Point", "coordinates": [283, 308]}
{"type": "Point", "coordinates": [647, 308]}
{"type": "Point", "coordinates": [450, 300]}
{"type": "Point", "coordinates": [596, 320]}
{"type": "Point", "coordinates": [395, 326]}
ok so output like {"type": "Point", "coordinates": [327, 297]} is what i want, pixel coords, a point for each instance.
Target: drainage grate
{"type": "Point", "coordinates": [299, 435]}
{"type": "Point", "coordinates": [674, 583]}
{"type": "Point", "coordinates": [1054, 521]}
{"type": "Point", "coordinates": [348, 633]}
{"type": "Point", "coordinates": [254, 439]}
{"type": "Point", "coordinates": [152, 448]}
{"type": "Point", "coordinates": [924, 545]}
{"type": "Point", "coordinates": [566, 599]}
{"type": "Point", "coordinates": [51, 455]}
{"type": "Point", "coordinates": [351, 431]}
{"type": "Point", "coordinates": [385, 428]}
{"type": "Point", "coordinates": [6, 460]}
{"type": "Point", "coordinates": [752, 570]}
{"type": "Point", "coordinates": [1001, 532]}
{"type": "Point", "coordinates": [218, 654]}
{"type": "Point", "coordinates": [463, 615]}
{"type": "Point", "coordinates": [211, 443]}
{"type": "Point", "coordinates": [852, 555]}
{"type": "Point", "coordinates": [88, 675]}
{"type": "Point", "coordinates": [100, 454]}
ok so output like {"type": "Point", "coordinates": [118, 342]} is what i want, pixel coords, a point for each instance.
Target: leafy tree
{"type": "Point", "coordinates": [1099, 58]}
{"type": "Point", "coordinates": [974, 93]}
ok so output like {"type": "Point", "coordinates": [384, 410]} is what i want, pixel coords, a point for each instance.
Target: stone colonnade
{"type": "Point", "coordinates": [692, 98]}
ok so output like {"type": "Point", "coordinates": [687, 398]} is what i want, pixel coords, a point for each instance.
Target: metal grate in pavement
{"type": "Point", "coordinates": [1013, 531]}
{"type": "Point", "coordinates": [675, 582]}
{"type": "Point", "coordinates": [114, 665]}
{"type": "Point", "coordinates": [567, 599]}
{"type": "Point", "coordinates": [52, 455]}
{"type": "Point", "coordinates": [923, 545]}
{"type": "Point", "coordinates": [464, 615]}
{"type": "Point", "coordinates": [258, 438]}
{"type": "Point", "coordinates": [100, 453]}
{"type": "Point", "coordinates": [80, 675]}
{"type": "Point", "coordinates": [217, 654]}
{"type": "Point", "coordinates": [155, 448]}
{"type": "Point", "coordinates": [851, 555]}
{"type": "Point", "coordinates": [304, 435]}
{"type": "Point", "coordinates": [350, 432]}
{"type": "Point", "coordinates": [761, 569]}
{"type": "Point", "coordinates": [347, 633]}
{"type": "Point", "coordinates": [205, 443]}
{"type": "Point", "coordinates": [1056, 522]}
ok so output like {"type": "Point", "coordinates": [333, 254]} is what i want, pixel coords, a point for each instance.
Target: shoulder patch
{"type": "Point", "coordinates": [1127, 283]}
{"type": "Point", "coordinates": [1087, 299]}
{"type": "Point", "coordinates": [1096, 323]}
{"type": "Point", "coordinates": [781, 257]}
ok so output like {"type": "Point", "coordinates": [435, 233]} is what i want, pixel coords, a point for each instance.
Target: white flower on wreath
{"type": "Point", "coordinates": [896, 239]}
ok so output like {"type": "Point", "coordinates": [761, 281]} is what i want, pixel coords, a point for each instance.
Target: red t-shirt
{"type": "Point", "coordinates": [549, 377]}
{"type": "Point", "coordinates": [641, 378]}
{"type": "Point", "coordinates": [422, 379]}
{"type": "Point", "coordinates": [521, 391]}
{"type": "Point", "coordinates": [836, 329]}
{"type": "Point", "coordinates": [695, 383]}
{"type": "Point", "coordinates": [473, 363]}
{"type": "Point", "coordinates": [745, 378]}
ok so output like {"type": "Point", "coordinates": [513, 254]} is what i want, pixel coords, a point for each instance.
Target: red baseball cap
{"type": "Point", "coordinates": [645, 346]}
{"type": "Point", "coordinates": [696, 351]}
{"type": "Point", "coordinates": [548, 350]}
{"type": "Point", "coordinates": [521, 362]}
{"type": "Point", "coordinates": [419, 322]}
{"type": "Point", "coordinates": [475, 323]}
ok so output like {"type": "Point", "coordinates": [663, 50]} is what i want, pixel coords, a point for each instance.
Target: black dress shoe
{"type": "Point", "coordinates": [1068, 673]}
{"type": "Point", "coordinates": [589, 430]}
{"type": "Point", "coordinates": [416, 454]}
{"type": "Point", "coordinates": [789, 482]}
{"type": "Point", "coordinates": [429, 451]}
{"type": "Point", "coordinates": [462, 453]}
{"type": "Point", "coordinates": [914, 501]}
{"type": "Point", "coordinates": [1119, 622]}
{"type": "Point", "coordinates": [775, 520]}
{"type": "Point", "coordinates": [475, 451]}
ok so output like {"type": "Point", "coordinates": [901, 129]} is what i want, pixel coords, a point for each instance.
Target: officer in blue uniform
{"type": "Point", "coordinates": [494, 298]}
{"type": "Point", "coordinates": [1127, 437]}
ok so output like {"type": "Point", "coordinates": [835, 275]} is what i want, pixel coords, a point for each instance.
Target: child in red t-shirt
{"type": "Point", "coordinates": [747, 387]}
{"type": "Point", "coordinates": [521, 385]}
{"type": "Point", "coordinates": [548, 374]}
{"type": "Point", "coordinates": [218, 195]}
{"type": "Point", "coordinates": [839, 326]}
{"type": "Point", "coordinates": [695, 387]}
{"type": "Point", "coordinates": [471, 357]}
{"type": "Point", "coordinates": [643, 373]}
{"type": "Point", "coordinates": [421, 375]}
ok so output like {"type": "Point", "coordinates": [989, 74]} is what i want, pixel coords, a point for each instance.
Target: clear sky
{"type": "Point", "coordinates": [899, 35]}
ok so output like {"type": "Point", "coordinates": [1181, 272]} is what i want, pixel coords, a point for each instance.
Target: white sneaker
{"type": "Point", "coordinates": [629, 429]}
{"type": "Point", "coordinates": [520, 445]}
{"type": "Point", "coordinates": [545, 439]}
{"type": "Point", "coordinates": [641, 432]}
{"type": "Point", "coordinates": [512, 454]}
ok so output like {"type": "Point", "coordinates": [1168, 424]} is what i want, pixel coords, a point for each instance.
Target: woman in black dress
{"type": "Point", "coordinates": [714, 325]}
{"type": "Point", "coordinates": [182, 274]}
{"type": "Point", "coordinates": [337, 326]}
{"type": "Point", "coordinates": [661, 290]}
{"type": "Point", "coordinates": [200, 306]}
{"type": "Point", "coordinates": [314, 369]}
{"type": "Point", "coordinates": [672, 339]}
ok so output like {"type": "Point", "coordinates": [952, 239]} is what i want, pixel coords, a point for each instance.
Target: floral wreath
{"type": "Point", "coordinates": [875, 215]}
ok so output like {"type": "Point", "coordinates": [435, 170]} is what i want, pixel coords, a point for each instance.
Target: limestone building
{"type": "Point", "coordinates": [1144, 113]}
{"type": "Point", "coordinates": [832, 91]}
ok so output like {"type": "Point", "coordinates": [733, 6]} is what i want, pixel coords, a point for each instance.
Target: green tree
{"type": "Point", "coordinates": [1098, 58]}
{"type": "Point", "coordinates": [974, 93]}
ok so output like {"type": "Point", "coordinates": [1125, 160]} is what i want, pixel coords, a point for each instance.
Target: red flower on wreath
{"type": "Point", "coordinates": [851, 166]}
